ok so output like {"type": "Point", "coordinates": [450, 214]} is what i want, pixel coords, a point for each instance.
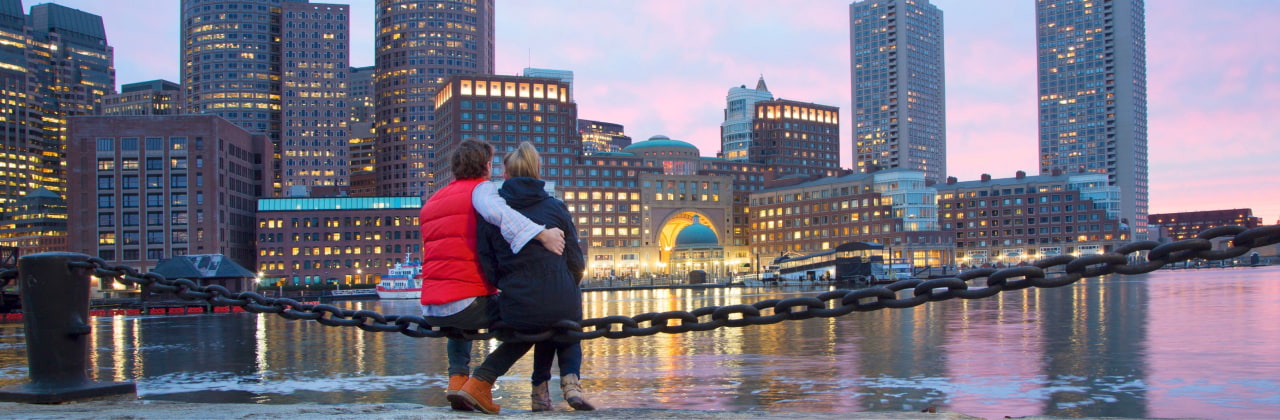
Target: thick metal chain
{"type": "Point", "coordinates": [829, 304]}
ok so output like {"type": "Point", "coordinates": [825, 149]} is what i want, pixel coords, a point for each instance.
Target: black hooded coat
{"type": "Point", "coordinates": [538, 287]}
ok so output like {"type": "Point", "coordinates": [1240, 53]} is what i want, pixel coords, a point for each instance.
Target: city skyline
{"type": "Point", "coordinates": [662, 68]}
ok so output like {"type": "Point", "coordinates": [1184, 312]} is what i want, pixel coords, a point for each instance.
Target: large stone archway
{"type": "Point", "coordinates": [677, 220]}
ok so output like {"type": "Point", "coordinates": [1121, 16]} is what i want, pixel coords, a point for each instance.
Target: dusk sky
{"type": "Point", "coordinates": [665, 66]}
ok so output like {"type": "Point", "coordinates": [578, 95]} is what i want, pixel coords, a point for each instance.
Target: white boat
{"type": "Point", "coordinates": [401, 282]}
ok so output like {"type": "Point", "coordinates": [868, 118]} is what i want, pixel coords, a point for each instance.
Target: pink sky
{"type": "Point", "coordinates": [665, 66]}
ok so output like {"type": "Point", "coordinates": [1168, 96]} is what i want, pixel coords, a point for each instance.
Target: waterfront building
{"type": "Point", "coordinates": [54, 63]}
{"type": "Point", "coordinates": [631, 206]}
{"type": "Point", "coordinates": [739, 115]}
{"type": "Point", "coordinates": [343, 240]}
{"type": "Point", "coordinates": [1091, 67]}
{"type": "Point", "coordinates": [505, 111]}
{"type": "Point", "coordinates": [155, 97]}
{"type": "Point", "coordinates": [795, 138]}
{"type": "Point", "coordinates": [145, 188]}
{"type": "Point", "coordinates": [895, 208]}
{"type": "Point", "coordinates": [418, 45]}
{"type": "Point", "coordinates": [313, 83]}
{"type": "Point", "coordinates": [899, 86]}
{"type": "Point", "coordinates": [600, 136]}
{"type": "Point", "coordinates": [1008, 221]}
{"type": "Point", "coordinates": [1188, 224]}
{"type": "Point", "coordinates": [35, 223]}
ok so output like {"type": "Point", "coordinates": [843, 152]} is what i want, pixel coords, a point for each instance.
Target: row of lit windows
{"type": "Point", "coordinates": [338, 250]}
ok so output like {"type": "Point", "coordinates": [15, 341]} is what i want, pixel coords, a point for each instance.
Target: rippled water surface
{"type": "Point", "coordinates": [1189, 343]}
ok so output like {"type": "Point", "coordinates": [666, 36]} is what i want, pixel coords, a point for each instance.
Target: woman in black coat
{"type": "Point", "coordinates": [539, 288]}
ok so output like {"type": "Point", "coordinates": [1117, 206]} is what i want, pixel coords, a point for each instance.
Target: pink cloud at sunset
{"type": "Point", "coordinates": [664, 67]}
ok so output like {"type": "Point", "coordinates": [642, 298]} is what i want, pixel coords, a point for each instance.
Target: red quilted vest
{"type": "Point", "coordinates": [450, 269]}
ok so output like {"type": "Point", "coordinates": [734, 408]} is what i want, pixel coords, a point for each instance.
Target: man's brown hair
{"type": "Point", "coordinates": [470, 159]}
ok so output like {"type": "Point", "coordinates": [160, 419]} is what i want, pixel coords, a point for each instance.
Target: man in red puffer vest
{"type": "Point", "coordinates": [454, 291]}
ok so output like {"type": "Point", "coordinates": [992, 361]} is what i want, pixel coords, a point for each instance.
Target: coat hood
{"type": "Point", "coordinates": [522, 192]}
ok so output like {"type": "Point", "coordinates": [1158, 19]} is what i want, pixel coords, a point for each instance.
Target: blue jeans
{"type": "Point", "coordinates": [507, 354]}
{"type": "Point", "coordinates": [569, 353]}
{"type": "Point", "coordinates": [479, 315]}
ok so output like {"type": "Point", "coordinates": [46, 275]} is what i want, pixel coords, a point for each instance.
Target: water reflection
{"type": "Point", "coordinates": [1168, 344]}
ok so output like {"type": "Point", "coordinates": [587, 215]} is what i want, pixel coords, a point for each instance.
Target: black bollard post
{"type": "Point", "coordinates": [55, 312]}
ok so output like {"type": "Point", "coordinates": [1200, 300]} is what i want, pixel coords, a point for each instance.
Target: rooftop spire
{"type": "Point", "coordinates": [760, 84]}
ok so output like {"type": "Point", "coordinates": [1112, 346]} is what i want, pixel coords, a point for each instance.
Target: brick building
{"type": "Point", "coordinates": [893, 208]}
{"type": "Point", "coordinates": [145, 188]}
{"type": "Point", "coordinates": [1008, 221]}
{"type": "Point", "coordinates": [346, 240]}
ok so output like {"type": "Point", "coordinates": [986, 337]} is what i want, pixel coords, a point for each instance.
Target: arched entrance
{"type": "Point", "coordinates": [671, 228]}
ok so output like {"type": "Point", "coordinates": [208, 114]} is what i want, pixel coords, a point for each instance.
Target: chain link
{"type": "Point", "coordinates": [826, 305]}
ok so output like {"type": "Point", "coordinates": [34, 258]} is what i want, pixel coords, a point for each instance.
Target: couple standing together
{"type": "Point", "coordinates": [473, 245]}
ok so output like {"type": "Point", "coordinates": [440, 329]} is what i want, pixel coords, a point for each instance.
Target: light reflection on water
{"type": "Point", "coordinates": [1167, 344]}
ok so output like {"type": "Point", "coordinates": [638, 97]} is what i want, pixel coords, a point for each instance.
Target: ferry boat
{"type": "Point", "coordinates": [401, 282]}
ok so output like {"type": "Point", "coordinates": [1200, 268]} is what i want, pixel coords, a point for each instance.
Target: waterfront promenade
{"type": "Point", "coordinates": [165, 410]}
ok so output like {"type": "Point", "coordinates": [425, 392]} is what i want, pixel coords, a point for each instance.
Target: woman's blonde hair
{"type": "Point", "coordinates": [523, 161]}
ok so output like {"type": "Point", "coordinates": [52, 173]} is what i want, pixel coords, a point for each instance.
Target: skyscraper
{"type": "Point", "coordinates": [54, 63]}
{"type": "Point", "coordinates": [314, 108]}
{"type": "Point", "coordinates": [231, 62]}
{"type": "Point", "coordinates": [739, 111]}
{"type": "Point", "coordinates": [242, 60]}
{"type": "Point", "coordinates": [1091, 63]}
{"type": "Point", "coordinates": [418, 45]}
{"type": "Point", "coordinates": [899, 86]}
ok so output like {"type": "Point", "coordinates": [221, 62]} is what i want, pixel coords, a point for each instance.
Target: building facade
{"type": "Point", "coordinates": [314, 109]}
{"type": "Point", "coordinates": [899, 86]}
{"type": "Point", "coordinates": [155, 97]}
{"type": "Point", "coordinates": [600, 136]}
{"type": "Point", "coordinates": [146, 188]}
{"type": "Point", "coordinates": [505, 111]}
{"type": "Point", "coordinates": [418, 45]}
{"type": "Point", "coordinates": [54, 63]}
{"type": "Point", "coordinates": [343, 240]}
{"type": "Point", "coordinates": [231, 63]}
{"type": "Point", "coordinates": [630, 208]}
{"type": "Point", "coordinates": [1188, 224]}
{"type": "Point", "coordinates": [893, 208]}
{"type": "Point", "coordinates": [1009, 221]}
{"type": "Point", "coordinates": [1091, 65]}
{"type": "Point", "coordinates": [251, 63]}
{"type": "Point", "coordinates": [795, 138]}
{"type": "Point", "coordinates": [739, 114]}
{"type": "Point", "coordinates": [35, 223]}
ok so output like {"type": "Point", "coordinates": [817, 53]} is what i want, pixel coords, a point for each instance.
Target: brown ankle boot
{"type": "Point", "coordinates": [573, 393]}
{"type": "Point", "coordinates": [451, 393]}
{"type": "Point", "coordinates": [479, 395]}
{"type": "Point", "coordinates": [540, 398]}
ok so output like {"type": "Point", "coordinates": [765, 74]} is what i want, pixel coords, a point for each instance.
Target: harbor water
{"type": "Point", "coordinates": [1173, 343]}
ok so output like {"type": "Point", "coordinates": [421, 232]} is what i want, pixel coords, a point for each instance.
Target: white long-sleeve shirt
{"type": "Point", "coordinates": [516, 229]}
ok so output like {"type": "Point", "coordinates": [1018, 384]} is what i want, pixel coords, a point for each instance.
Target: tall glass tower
{"type": "Point", "coordinates": [54, 63]}
{"type": "Point", "coordinates": [1091, 63]}
{"type": "Point", "coordinates": [739, 112]}
{"type": "Point", "coordinates": [899, 87]}
{"type": "Point", "coordinates": [420, 43]}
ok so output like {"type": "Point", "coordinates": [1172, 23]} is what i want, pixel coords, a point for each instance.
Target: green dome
{"type": "Point", "coordinates": [659, 141]}
{"type": "Point", "coordinates": [696, 234]}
